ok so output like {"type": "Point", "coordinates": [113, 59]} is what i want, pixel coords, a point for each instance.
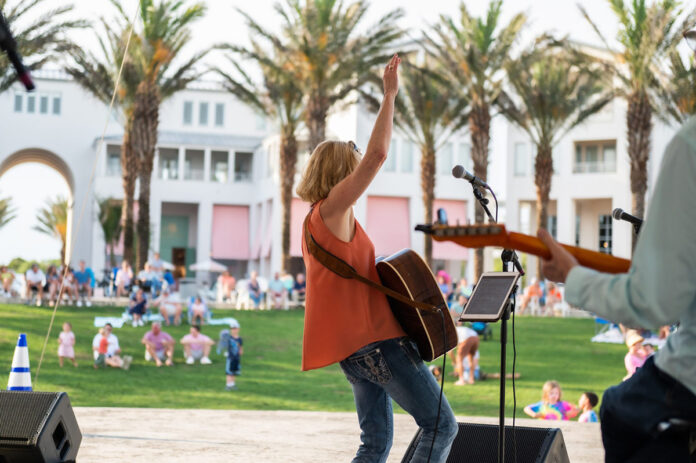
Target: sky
{"type": "Point", "coordinates": [222, 23]}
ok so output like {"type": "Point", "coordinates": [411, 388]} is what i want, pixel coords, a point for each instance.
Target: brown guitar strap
{"type": "Point", "coordinates": [345, 270]}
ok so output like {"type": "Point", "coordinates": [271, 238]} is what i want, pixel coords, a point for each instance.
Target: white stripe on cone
{"type": "Point", "coordinates": [20, 380]}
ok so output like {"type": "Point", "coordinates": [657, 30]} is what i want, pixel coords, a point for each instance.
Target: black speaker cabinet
{"type": "Point", "coordinates": [37, 427]}
{"type": "Point", "coordinates": [479, 443]}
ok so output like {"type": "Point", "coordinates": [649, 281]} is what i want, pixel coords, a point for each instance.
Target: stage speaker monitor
{"type": "Point", "coordinates": [479, 443]}
{"type": "Point", "coordinates": [37, 427]}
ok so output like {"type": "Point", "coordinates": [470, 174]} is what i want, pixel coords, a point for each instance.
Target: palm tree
{"type": "Point", "coordinates": [53, 221]}
{"type": "Point", "coordinates": [7, 212]}
{"type": "Point", "coordinates": [279, 98]}
{"type": "Point", "coordinates": [110, 221]}
{"type": "Point", "coordinates": [40, 34]}
{"type": "Point", "coordinates": [148, 79]}
{"type": "Point", "coordinates": [556, 88]}
{"type": "Point", "coordinates": [474, 52]}
{"type": "Point", "coordinates": [681, 87]}
{"type": "Point", "coordinates": [646, 34]}
{"type": "Point", "coordinates": [429, 110]}
{"type": "Point", "coordinates": [334, 59]}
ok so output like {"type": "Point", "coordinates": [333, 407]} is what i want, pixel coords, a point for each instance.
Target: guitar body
{"type": "Point", "coordinates": [406, 273]}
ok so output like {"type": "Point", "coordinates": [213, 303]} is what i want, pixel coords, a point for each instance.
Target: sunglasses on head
{"type": "Point", "coordinates": [354, 146]}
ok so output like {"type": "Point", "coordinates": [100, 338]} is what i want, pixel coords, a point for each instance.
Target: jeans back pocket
{"type": "Point", "coordinates": [371, 366]}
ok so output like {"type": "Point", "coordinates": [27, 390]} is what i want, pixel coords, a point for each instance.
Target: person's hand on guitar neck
{"type": "Point", "coordinates": [561, 262]}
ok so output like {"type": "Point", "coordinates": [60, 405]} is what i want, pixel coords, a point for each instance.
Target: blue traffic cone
{"type": "Point", "coordinates": [20, 378]}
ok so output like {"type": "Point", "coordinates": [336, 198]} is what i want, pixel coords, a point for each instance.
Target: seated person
{"type": "Point", "coordinates": [288, 283]}
{"type": "Point", "coordinates": [53, 283]}
{"type": "Point", "coordinates": [146, 278]}
{"type": "Point", "coordinates": [197, 346]}
{"type": "Point", "coordinates": [168, 277]}
{"type": "Point", "coordinates": [84, 282]}
{"type": "Point", "coordinates": [69, 284]}
{"type": "Point", "coordinates": [7, 278]}
{"type": "Point", "coordinates": [124, 279]}
{"type": "Point", "coordinates": [300, 288]}
{"type": "Point", "coordinates": [532, 293]}
{"type": "Point", "coordinates": [111, 356]}
{"type": "Point", "coordinates": [227, 283]}
{"type": "Point", "coordinates": [458, 306]}
{"type": "Point", "coordinates": [156, 265]}
{"type": "Point", "coordinates": [137, 306]}
{"type": "Point", "coordinates": [637, 352]}
{"type": "Point", "coordinates": [159, 346]}
{"type": "Point", "coordinates": [464, 288]}
{"type": "Point", "coordinates": [168, 306]}
{"type": "Point", "coordinates": [198, 310]}
{"type": "Point", "coordinates": [553, 296]}
{"type": "Point", "coordinates": [254, 289]}
{"type": "Point", "coordinates": [276, 289]}
{"type": "Point", "coordinates": [35, 281]}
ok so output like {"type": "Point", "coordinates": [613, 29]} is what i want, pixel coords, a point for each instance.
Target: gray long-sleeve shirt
{"type": "Point", "coordinates": [660, 287]}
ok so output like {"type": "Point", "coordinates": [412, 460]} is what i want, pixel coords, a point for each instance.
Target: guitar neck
{"type": "Point", "coordinates": [592, 259]}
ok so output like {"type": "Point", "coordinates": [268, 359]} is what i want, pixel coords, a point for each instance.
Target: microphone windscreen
{"type": "Point", "coordinates": [616, 214]}
{"type": "Point", "coordinates": [458, 171]}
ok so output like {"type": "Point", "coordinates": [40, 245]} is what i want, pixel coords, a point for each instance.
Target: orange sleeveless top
{"type": "Point", "coordinates": [342, 315]}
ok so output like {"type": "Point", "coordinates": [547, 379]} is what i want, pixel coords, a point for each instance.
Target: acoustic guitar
{"type": "Point", "coordinates": [407, 274]}
{"type": "Point", "coordinates": [478, 236]}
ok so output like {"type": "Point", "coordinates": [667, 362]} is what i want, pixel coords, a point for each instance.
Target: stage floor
{"type": "Point", "coordinates": [159, 435]}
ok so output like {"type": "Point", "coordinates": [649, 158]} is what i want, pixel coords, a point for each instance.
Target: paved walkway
{"type": "Point", "coordinates": [166, 435]}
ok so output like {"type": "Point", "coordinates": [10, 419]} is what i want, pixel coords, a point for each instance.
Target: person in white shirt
{"type": "Point", "coordinates": [112, 357]}
{"type": "Point", "coordinates": [35, 280]}
{"type": "Point", "coordinates": [168, 306]}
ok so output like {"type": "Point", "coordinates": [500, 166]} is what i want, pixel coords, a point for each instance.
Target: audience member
{"type": "Point", "coordinates": [148, 280]}
{"type": "Point", "coordinates": [235, 349]}
{"type": "Point", "coordinates": [137, 306]}
{"type": "Point", "coordinates": [227, 285]}
{"type": "Point", "coordinates": [168, 306]}
{"type": "Point", "coordinates": [169, 279]}
{"type": "Point", "coordinates": [551, 407]}
{"type": "Point", "coordinates": [198, 310]}
{"type": "Point", "coordinates": [34, 278]}
{"type": "Point", "coordinates": [532, 294]}
{"type": "Point", "coordinates": [159, 346]}
{"type": "Point", "coordinates": [7, 277]}
{"type": "Point", "coordinates": [254, 289]}
{"type": "Point", "coordinates": [66, 345]}
{"type": "Point", "coordinates": [69, 284]}
{"type": "Point", "coordinates": [553, 297]}
{"type": "Point", "coordinates": [637, 352]}
{"type": "Point", "coordinates": [288, 283]}
{"type": "Point", "coordinates": [112, 355]}
{"type": "Point", "coordinates": [197, 346]}
{"type": "Point", "coordinates": [156, 265]}
{"type": "Point", "coordinates": [276, 289]}
{"type": "Point", "coordinates": [53, 283]}
{"type": "Point", "coordinates": [458, 306]}
{"type": "Point", "coordinates": [84, 277]}
{"type": "Point", "coordinates": [124, 278]}
{"type": "Point", "coordinates": [587, 402]}
{"type": "Point", "coordinates": [300, 288]}
{"type": "Point", "coordinates": [463, 288]}
{"type": "Point", "coordinates": [445, 287]}
{"type": "Point", "coordinates": [467, 347]}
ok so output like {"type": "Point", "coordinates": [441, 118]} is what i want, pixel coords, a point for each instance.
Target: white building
{"type": "Point", "coordinates": [214, 191]}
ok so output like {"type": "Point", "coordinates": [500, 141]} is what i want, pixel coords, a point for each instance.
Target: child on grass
{"type": "Point", "coordinates": [234, 354]}
{"type": "Point", "coordinates": [102, 349]}
{"type": "Point", "coordinates": [66, 345]}
{"type": "Point", "coordinates": [551, 407]}
{"type": "Point", "coordinates": [587, 402]}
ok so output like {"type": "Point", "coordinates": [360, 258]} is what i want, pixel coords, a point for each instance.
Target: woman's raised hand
{"type": "Point", "coordinates": [391, 77]}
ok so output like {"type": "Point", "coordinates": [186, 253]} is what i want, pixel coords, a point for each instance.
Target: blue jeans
{"type": "Point", "coordinates": [632, 410]}
{"type": "Point", "coordinates": [390, 369]}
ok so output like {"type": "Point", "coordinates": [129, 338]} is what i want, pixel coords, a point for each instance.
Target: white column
{"type": "Point", "coordinates": [204, 235]}
{"type": "Point", "coordinates": [206, 164]}
{"type": "Point", "coordinates": [565, 219]}
{"type": "Point", "coordinates": [182, 160]}
{"type": "Point", "coordinates": [230, 166]}
{"type": "Point", "coordinates": [155, 222]}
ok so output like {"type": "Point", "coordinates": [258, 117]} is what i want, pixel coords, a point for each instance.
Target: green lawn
{"type": "Point", "coordinates": [547, 348]}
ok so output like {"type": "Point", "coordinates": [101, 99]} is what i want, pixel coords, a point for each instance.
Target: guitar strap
{"type": "Point", "coordinates": [345, 270]}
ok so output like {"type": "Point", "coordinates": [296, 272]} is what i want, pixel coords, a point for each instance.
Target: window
{"type": "Point", "coordinates": [218, 166]}
{"type": "Point", "coordinates": [203, 114]}
{"type": "Point", "coordinates": [406, 160]}
{"type": "Point", "coordinates": [521, 161]}
{"type": "Point", "coordinates": [595, 157]}
{"type": "Point", "coordinates": [605, 234]}
{"type": "Point", "coordinates": [220, 114]}
{"type": "Point", "coordinates": [464, 156]}
{"type": "Point", "coordinates": [169, 163]}
{"type": "Point", "coordinates": [18, 102]}
{"type": "Point", "coordinates": [43, 104]}
{"type": "Point", "coordinates": [31, 103]}
{"type": "Point", "coordinates": [113, 160]}
{"type": "Point", "coordinates": [56, 105]}
{"type": "Point", "coordinates": [242, 167]}
{"type": "Point", "coordinates": [390, 162]}
{"type": "Point", "coordinates": [193, 165]}
{"type": "Point", "coordinates": [188, 112]}
{"type": "Point", "coordinates": [552, 225]}
{"type": "Point", "coordinates": [445, 159]}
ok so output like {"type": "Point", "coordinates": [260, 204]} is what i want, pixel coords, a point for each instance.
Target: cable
{"type": "Point", "coordinates": [514, 392]}
{"type": "Point", "coordinates": [442, 383]}
{"type": "Point", "coordinates": [496, 203]}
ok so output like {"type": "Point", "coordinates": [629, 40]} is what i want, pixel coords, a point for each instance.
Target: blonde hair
{"type": "Point", "coordinates": [330, 162]}
{"type": "Point", "coordinates": [548, 387]}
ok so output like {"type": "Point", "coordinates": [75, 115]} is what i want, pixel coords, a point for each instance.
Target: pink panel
{"type": "Point", "coordinates": [298, 212]}
{"type": "Point", "coordinates": [268, 233]}
{"type": "Point", "coordinates": [456, 211]}
{"type": "Point", "coordinates": [230, 232]}
{"type": "Point", "coordinates": [258, 239]}
{"type": "Point", "coordinates": [388, 224]}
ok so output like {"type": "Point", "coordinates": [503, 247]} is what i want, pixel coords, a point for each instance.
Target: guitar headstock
{"type": "Point", "coordinates": [473, 236]}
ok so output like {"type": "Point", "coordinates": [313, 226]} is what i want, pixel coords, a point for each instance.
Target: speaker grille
{"type": "Point", "coordinates": [22, 415]}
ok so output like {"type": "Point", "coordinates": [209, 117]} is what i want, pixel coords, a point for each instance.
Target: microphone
{"type": "Point", "coordinates": [460, 172]}
{"type": "Point", "coordinates": [619, 214]}
{"type": "Point", "coordinates": [9, 46]}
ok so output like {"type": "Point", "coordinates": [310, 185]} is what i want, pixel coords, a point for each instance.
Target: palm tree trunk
{"type": "Point", "coordinates": [479, 126]}
{"type": "Point", "coordinates": [543, 172]}
{"type": "Point", "coordinates": [428, 190]}
{"type": "Point", "coordinates": [288, 161]}
{"type": "Point", "coordinates": [112, 258]}
{"type": "Point", "coordinates": [129, 171]}
{"type": "Point", "coordinates": [317, 108]}
{"type": "Point", "coordinates": [639, 127]}
{"type": "Point", "coordinates": [145, 121]}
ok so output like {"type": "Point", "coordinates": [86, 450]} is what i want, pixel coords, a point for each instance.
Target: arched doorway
{"type": "Point", "coordinates": [56, 165]}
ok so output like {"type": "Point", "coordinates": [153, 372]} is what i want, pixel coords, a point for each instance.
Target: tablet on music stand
{"type": "Point", "coordinates": [491, 295]}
